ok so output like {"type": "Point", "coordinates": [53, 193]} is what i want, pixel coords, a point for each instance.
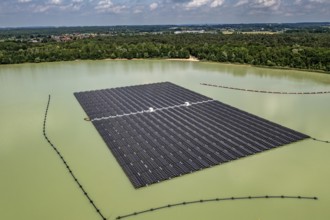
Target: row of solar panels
{"type": "Point", "coordinates": [242, 127]}
{"type": "Point", "coordinates": [123, 100]}
{"type": "Point", "coordinates": [156, 146]}
{"type": "Point", "coordinates": [201, 135]}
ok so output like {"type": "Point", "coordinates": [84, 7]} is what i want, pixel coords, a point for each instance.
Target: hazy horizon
{"type": "Point", "coordinates": [201, 24]}
{"type": "Point", "coordinates": [50, 13]}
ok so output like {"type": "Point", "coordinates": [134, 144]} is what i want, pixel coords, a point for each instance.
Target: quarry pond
{"type": "Point", "coordinates": [36, 185]}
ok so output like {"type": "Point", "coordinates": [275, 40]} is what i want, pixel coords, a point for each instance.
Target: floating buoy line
{"type": "Point", "coordinates": [273, 92]}
{"type": "Point", "coordinates": [184, 203]}
{"type": "Point", "coordinates": [265, 91]}
{"type": "Point", "coordinates": [214, 200]}
{"type": "Point", "coordinates": [67, 166]}
{"type": "Point", "coordinates": [315, 139]}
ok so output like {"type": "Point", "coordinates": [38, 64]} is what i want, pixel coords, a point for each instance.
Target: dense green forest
{"type": "Point", "coordinates": [290, 50]}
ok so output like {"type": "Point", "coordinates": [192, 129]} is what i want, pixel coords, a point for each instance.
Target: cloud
{"type": "Point", "coordinates": [217, 3]}
{"type": "Point", "coordinates": [109, 6]}
{"type": "Point", "coordinates": [273, 4]}
{"type": "Point", "coordinates": [196, 4]}
{"type": "Point", "coordinates": [56, 2]}
{"type": "Point", "coordinates": [106, 12]}
{"type": "Point", "coordinates": [241, 2]}
{"type": "Point", "coordinates": [260, 4]}
{"type": "Point", "coordinates": [137, 11]}
{"type": "Point", "coordinates": [41, 8]}
{"type": "Point", "coordinates": [104, 5]}
{"type": "Point", "coordinates": [153, 6]}
{"type": "Point", "coordinates": [74, 5]}
{"type": "Point", "coordinates": [263, 6]}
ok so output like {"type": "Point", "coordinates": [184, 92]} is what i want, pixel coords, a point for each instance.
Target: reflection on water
{"type": "Point", "coordinates": [34, 184]}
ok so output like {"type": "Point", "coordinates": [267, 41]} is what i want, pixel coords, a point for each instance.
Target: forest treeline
{"type": "Point", "coordinates": [289, 50]}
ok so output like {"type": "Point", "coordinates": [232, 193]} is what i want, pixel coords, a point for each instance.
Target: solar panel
{"type": "Point", "coordinates": [160, 131]}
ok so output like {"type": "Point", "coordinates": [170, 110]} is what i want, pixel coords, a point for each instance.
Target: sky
{"type": "Point", "coordinates": [22, 13]}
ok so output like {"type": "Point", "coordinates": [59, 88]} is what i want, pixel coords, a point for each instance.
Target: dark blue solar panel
{"type": "Point", "coordinates": [170, 142]}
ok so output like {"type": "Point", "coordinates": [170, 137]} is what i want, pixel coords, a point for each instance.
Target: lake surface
{"type": "Point", "coordinates": [34, 184]}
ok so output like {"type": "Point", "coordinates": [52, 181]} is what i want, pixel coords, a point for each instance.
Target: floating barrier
{"type": "Point", "coordinates": [66, 164]}
{"type": "Point", "coordinates": [214, 200]}
{"type": "Point", "coordinates": [272, 92]}
{"type": "Point", "coordinates": [264, 91]}
{"type": "Point", "coordinates": [315, 139]}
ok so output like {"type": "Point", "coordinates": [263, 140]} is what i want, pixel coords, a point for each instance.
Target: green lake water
{"type": "Point", "coordinates": [34, 184]}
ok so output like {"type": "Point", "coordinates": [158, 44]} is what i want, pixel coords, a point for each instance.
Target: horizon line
{"type": "Point", "coordinates": [141, 25]}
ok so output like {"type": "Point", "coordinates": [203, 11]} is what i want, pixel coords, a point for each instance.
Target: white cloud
{"type": "Point", "coordinates": [137, 11]}
{"type": "Point", "coordinates": [217, 3]}
{"type": "Point", "coordinates": [193, 4]}
{"type": "Point", "coordinates": [109, 6]}
{"type": "Point", "coordinates": [153, 6]}
{"type": "Point", "coordinates": [75, 5]}
{"type": "Point", "coordinates": [258, 5]}
{"type": "Point", "coordinates": [104, 4]}
{"type": "Point", "coordinates": [266, 3]}
{"type": "Point", "coordinates": [176, 11]}
{"type": "Point", "coordinates": [55, 2]}
{"type": "Point", "coordinates": [196, 4]}
{"type": "Point", "coordinates": [117, 8]}
{"type": "Point", "coordinates": [41, 8]}
{"type": "Point", "coordinates": [241, 2]}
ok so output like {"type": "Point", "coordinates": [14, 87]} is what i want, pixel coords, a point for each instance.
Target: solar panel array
{"type": "Point", "coordinates": [182, 133]}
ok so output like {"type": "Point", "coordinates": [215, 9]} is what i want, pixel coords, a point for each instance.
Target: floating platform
{"type": "Point", "coordinates": [160, 131]}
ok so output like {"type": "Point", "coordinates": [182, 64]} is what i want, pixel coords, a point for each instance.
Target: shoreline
{"type": "Point", "coordinates": [190, 59]}
{"type": "Point", "coordinates": [267, 67]}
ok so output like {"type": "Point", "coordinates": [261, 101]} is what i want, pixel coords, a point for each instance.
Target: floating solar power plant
{"type": "Point", "coordinates": [125, 100]}
{"type": "Point", "coordinates": [160, 131]}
